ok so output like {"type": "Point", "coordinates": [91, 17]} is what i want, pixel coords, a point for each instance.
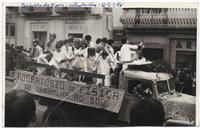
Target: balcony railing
{"type": "Point", "coordinates": [159, 17]}
{"type": "Point", "coordinates": [36, 10]}
{"type": "Point", "coordinates": [69, 11]}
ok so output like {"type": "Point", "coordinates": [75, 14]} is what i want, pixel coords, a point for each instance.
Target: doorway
{"type": "Point", "coordinates": [41, 36]}
{"type": "Point", "coordinates": [186, 60]}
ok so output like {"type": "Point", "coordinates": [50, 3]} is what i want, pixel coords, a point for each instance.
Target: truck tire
{"type": "Point", "coordinates": [56, 117]}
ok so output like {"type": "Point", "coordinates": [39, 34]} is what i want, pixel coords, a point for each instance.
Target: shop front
{"type": "Point", "coordinates": [184, 54]}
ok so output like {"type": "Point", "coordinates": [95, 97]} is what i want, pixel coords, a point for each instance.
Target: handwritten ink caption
{"type": "Point", "coordinates": [75, 4]}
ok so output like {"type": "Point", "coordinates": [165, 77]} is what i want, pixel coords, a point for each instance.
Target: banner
{"type": "Point", "coordinates": [75, 92]}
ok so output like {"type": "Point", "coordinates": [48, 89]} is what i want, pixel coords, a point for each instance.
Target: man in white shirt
{"type": "Point", "coordinates": [104, 64]}
{"type": "Point", "coordinates": [36, 50]}
{"type": "Point", "coordinates": [52, 43]}
{"type": "Point", "coordinates": [126, 52]}
{"type": "Point", "coordinates": [129, 53]}
{"type": "Point", "coordinates": [43, 59]}
{"type": "Point", "coordinates": [68, 51]}
{"type": "Point", "coordinates": [58, 60]}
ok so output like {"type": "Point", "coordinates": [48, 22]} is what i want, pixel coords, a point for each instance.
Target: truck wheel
{"type": "Point", "coordinates": [55, 117]}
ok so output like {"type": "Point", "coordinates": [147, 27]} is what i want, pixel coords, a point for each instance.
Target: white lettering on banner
{"type": "Point", "coordinates": [88, 95]}
{"type": "Point", "coordinates": [39, 27]}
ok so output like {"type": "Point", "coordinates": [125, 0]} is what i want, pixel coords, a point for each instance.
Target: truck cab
{"type": "Point", "coordinates": [179, 107]}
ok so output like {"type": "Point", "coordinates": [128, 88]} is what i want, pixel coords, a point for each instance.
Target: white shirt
{"type": "Point", "coordinates": [40, 50]}
{"type": "Point", "coordinates": [67, 50]}
{"type": "Point", "coordinates": [92, 44]}
{"type": "Point", "coordinates": [57, 57]}
{"type": "Point", "coordinates": [126, 53]}
{"type": "Point", "coordinates": [109, 49]}
{"type": "Point", "coordinates": [84, 52]}
{"type": "Point", "coordinates": [76, 51]}
{"type": "Point", "coordinates": [42, 60]}
{"type": "Point", "coordinates": [104, 65]}
{"type": "Point", "coordinates": [52, 48]}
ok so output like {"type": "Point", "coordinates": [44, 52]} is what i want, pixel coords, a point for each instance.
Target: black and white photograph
{"type": "Point", "coordinates": [100, 66]}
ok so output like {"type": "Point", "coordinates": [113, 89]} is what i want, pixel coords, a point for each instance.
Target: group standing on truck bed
{"type": "Point", "coordinates": [81, 55]}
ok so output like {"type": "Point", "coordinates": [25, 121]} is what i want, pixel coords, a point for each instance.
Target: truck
{"type": "Point", "coordinates": [76, 103]}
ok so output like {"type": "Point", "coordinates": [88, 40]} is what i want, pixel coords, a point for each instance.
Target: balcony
{"type": "Point", "coordinates": [72, 11]}
{"type": "Point", "coordinates": [159, 18]}
{"type": "Point", "coordinates": [36, 10]}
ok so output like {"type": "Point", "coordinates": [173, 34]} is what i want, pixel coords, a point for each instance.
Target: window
{"type": "Point", "coordinates": [162, 87]}
{"type": "Point", "coordinates": [189, 45]}
{"type": "Point", "coordinates": [7, 30]}
{"type": "Point", "coordinates": [132, 84]}
{"type": "Point", "coordinates": [140, 88]}
{"type": "Point", "coordinates": [10, 33]}
{"type": "Point", "coordinates": [10, 29]}
{"type": "Point", "coordinates": [171, 84]}
{"type": "Point", "coordinates": [76, 35]}
{"type": "Point", "coordinates": [178, 45]}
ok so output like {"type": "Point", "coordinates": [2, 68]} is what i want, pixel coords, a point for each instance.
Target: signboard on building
{"type": "Point", "coordinates": [75, 92]}
{"type": "Point", "coordinates": [76, 29]}
{"type": "Point", "coordinates": [39, 27]}
{"type": "Point", "coordinates": [185, 45]}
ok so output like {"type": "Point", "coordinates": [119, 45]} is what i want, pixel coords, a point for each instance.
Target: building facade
{"type": "Point", "coordinates": [36, 23]}
{"type": "Point", "coordinates": [168, 33]}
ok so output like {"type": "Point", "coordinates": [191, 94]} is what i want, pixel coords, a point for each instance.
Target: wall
{"type": "Point", "coordinates": [95, 26]}
{"type": "Point", "coordinates": [117, 13]}
{"type": "Point", "coordinates": [20, 36]}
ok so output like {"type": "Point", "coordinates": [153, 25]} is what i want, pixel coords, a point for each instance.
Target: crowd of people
{"type": "Point", "coordinates": [77, 54]}
{"type": "Point", "coordinates": [186, 80]}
